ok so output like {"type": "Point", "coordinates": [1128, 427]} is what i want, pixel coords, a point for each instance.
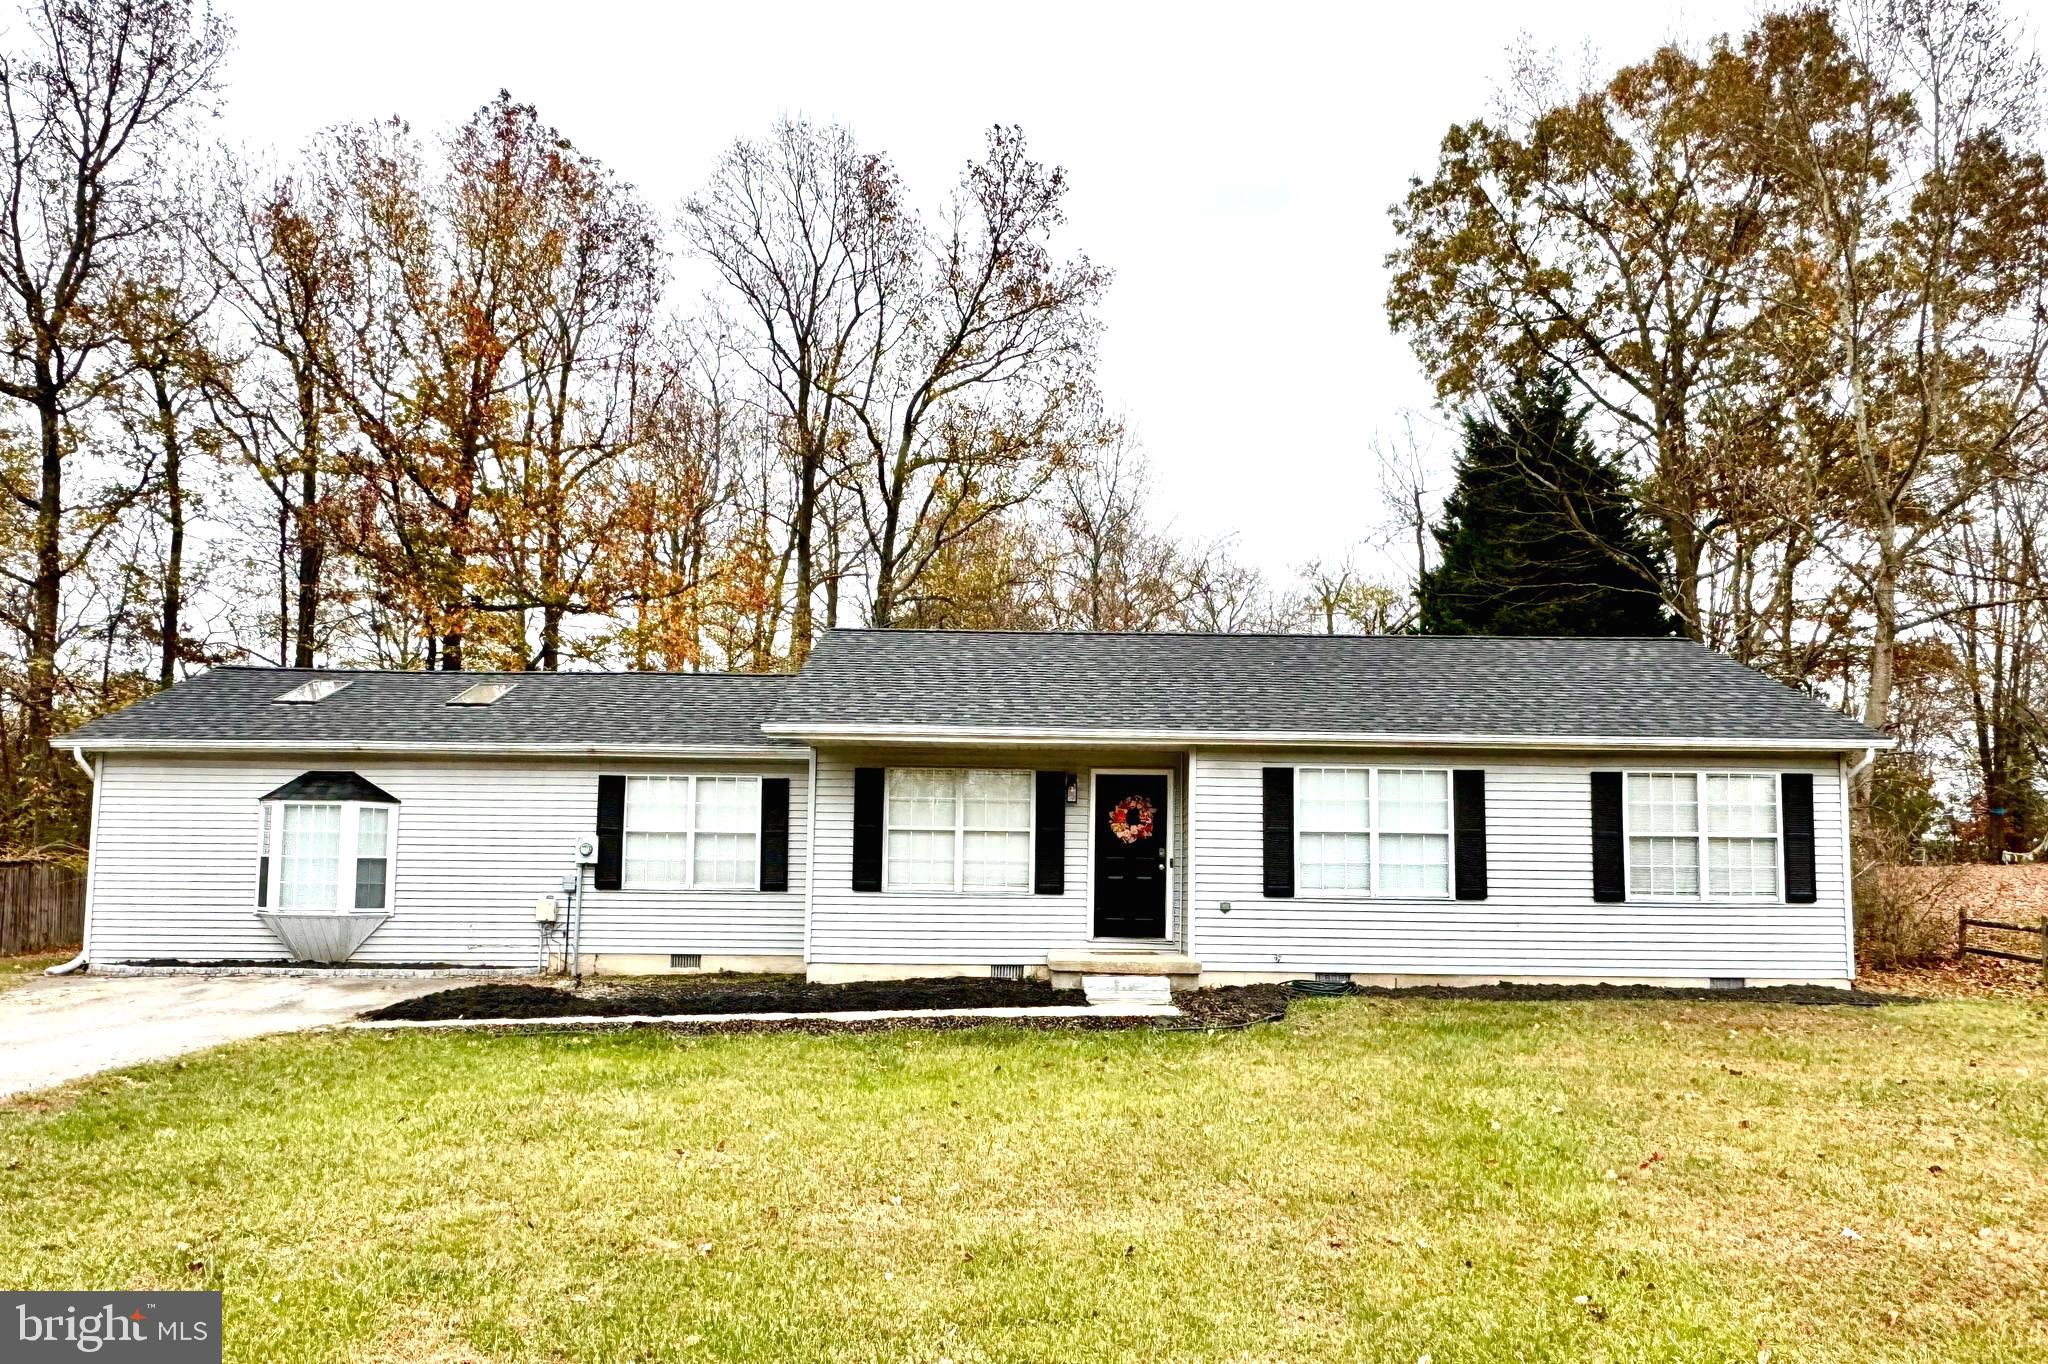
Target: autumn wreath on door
{"type": "Point", "coordinates": [1130, 819]}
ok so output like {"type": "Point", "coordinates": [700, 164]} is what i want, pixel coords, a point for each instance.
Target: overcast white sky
{"type": "Point", "coordinates": [1233, 165]}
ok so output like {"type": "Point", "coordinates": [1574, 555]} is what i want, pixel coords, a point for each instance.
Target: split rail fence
{"type": "Point", "coordinates": [2039, 931]}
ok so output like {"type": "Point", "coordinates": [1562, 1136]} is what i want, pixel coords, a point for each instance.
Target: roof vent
{"type": "Point", "coordinates": [482, 694]}
{"type": "Point", "coordinates": [305, 694]}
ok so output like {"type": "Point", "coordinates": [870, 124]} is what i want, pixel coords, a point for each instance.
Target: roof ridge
{"type": "Point", "coordinates": [1251, 634]}
{"type": "Point", "coordinates": [480, 672]}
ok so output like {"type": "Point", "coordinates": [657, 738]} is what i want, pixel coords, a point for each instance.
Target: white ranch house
{"type": "Point", "coordinates": [1216, 809]}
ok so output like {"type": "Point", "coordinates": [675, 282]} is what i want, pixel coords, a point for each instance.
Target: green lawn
{"type": "Point", "coordinates": [1370, 1180]}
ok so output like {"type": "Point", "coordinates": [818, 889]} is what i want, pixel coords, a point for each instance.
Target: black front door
{"type": "Point", "coordinates": [1130, 856]}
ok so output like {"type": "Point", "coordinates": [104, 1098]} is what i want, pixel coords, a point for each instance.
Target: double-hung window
{"type": "Point", "coordinates": [1683, 823]}
{"type": "Point", "coordinates": [958, 829]}
{"type": "Point", "coordinates": [692, 833]}
{"type": "Point", "coordinates": [1373, 831]}
{"type": "Point", "coordinates": [324, 856]}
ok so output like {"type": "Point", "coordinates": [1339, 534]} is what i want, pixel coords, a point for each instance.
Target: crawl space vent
{"type": "Point", "coordinates": [685, 961]}
{"type": "Point", "coordinates": [1006, 972]}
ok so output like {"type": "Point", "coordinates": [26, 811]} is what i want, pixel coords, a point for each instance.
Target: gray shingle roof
{"type": "Point", "coordinates": [388, 709]}
{"type": "Point", "coordinates": [897, 681]}
{"type": "Point", "coordinates": [1659, 690]}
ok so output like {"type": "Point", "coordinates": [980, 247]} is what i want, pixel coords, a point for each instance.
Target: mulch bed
{"type": "Point", "coordinates": [685, 997]}
{"type": "Point", "coordinates": [681, 996]}
{"type": "Point", "coordinates": [1227, 1007]}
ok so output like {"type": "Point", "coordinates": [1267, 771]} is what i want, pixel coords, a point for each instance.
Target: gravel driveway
{"type": "Point", "coordinates": [58, 1028]}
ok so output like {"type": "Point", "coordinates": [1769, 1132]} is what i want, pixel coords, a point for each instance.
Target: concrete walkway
{"type": "Point", "coordinates": [59, 1028]}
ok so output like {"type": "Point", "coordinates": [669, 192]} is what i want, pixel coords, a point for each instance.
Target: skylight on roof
{"type": "Point", "coordinates": [482, 694]}
{"type": "Point", "coordinates": [319, 689]}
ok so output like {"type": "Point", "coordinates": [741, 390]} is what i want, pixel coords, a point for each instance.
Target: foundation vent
{"type": "Point", "coordinates": [1333, 977]}
{"type": "Point", "coordinates": [1727, 982]}
{"type": "Point", "coordinates": [685, 961]}
{"type": "Point", "coordinates": [1006, 972]}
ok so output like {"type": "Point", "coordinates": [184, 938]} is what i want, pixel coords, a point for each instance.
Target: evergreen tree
{"type": "Point", "coordinates": [1540, 536]}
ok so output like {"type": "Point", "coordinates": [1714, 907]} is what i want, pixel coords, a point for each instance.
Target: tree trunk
{"type": "Point", "coordinates": [169, 626]}
{"type": "Point", "coordinates": [550, 637]}
{"type": "Point", "coordinates": [47, 594]}
{"type": "Point", "coordinates": [312, 548]}
{"type": "Point", "coordinates": [800, 623]}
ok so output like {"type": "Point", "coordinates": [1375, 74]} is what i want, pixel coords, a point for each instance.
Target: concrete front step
{"type": "Point", "coordinates": [1114, 962]}
{"type": "Point", "coordinates": [1123, 974]}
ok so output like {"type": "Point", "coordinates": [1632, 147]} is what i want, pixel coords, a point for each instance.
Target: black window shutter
{"type": "Point", "coordinates": [775, 833]}
{"type": "Point", "coordinates": [611, 831]}
{"type": "Point", "coordinates": [1468, 830]}
{"type": "Point", "coordinates": [1800, 886]}
{"type": "Point", "coordinates": [1610, 885]}
{"type": "Point", "coordinates": [867, 828]}
{"type": "Point", "coordinates": [263, 881]}
{"type": "Point", "coordinates": [1049, 848]}
{"type": "Point", "coordinates": [1279, 821]}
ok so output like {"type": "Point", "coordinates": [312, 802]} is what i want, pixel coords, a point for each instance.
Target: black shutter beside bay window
{"type": "Point", "coordinates": [611, 832]}
{"type": "Point", "coordinates": [1049, 846]}
{"type": "Point", "coordinates": [1610, 884]}
{"type": "Point", "coordinates": [775, 833]}
{"type": "Point", "coordinates": [1279, 832]}
{"type": "Point", "coordinates": [867, 828]}
{"type": "Point", "coordinates": [1468, 831]}
{"type": "Point", "coordinates": [1800, 886]}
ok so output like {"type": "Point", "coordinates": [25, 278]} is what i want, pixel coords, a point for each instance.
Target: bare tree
{"type": "Point", "coordinates": [804, 229]}
{"type": "Point", "coordinates": [92, 110]}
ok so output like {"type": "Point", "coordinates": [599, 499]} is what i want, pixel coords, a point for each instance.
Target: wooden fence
{"type": "Point", "coordinates": [42, 907]}
{"type": "Point", "coordinates": [2039, 931]}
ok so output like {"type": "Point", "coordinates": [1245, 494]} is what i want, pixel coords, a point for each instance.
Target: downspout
{"type": "Point", "coordinates": [1849, 777]}
{"type": "Point", "coordinates": [80, 962]}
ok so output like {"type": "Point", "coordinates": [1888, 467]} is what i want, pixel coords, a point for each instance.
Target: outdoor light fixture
{"type": "Point", "coordinates": [1073, 789]}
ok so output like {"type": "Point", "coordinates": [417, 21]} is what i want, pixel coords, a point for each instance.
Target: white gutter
{"type": "Point", "coordinates": [80, 962]}
{"type": "Point", "coordinates": [963, 734]}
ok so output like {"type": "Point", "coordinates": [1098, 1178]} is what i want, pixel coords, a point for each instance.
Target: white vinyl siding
{"type": "Point", "coordinates": [692, 833]}
{"type": "Point", "coordinates": [1539, 918]}
{"type": "Point", "coordinates": [976, 924]}
{"type": "Point", "coordinates": [1694, 834]}
{"type": "Point", "coordinates": [475, 842]}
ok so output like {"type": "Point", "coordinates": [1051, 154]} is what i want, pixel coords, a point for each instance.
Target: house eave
{"type": "Point", "coordinates": [975, 734]}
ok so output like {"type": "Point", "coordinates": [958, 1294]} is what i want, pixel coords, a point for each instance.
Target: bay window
{"type": "Point", "coordinates": [692, 833]}
{"type": "Point", "coordinates": [954, 829]}
{"type": "Point", "coordinates": [1683, 824]}
{"type": "Point", "coordinates": [324, 856]}
{"type": "Point", "coordinates": [1373, 831]}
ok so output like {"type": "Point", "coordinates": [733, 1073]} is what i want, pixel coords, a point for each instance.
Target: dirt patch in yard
{"type": "Point", "coordinates": [681, 996]}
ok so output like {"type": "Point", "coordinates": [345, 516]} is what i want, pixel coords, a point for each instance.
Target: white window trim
{"type": "Point", "coordinates": [1702, 896]}
{"type": "Point", "coordinates": [272, 825]}
{"type": "Point", "coordinates": [689, 881]}
{"type": "Point", "coordinates": [1449, 834]}
{"type": "Point", "coordinates": [960, 831]}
